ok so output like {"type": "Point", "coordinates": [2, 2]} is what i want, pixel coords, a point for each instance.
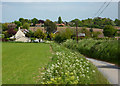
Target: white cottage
{"type": "Point", "coordinates": [20, 36]}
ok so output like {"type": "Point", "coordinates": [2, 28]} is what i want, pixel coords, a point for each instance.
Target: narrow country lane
{"type": "Point", "coordinates": [110, 71]}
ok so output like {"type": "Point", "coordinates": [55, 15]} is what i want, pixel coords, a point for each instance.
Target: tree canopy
{"type": "Point", "coordinates": [34, 21]}
{"type": "Point", "coordinates": [59, 20]}
{"type": "Point", "coordinates": [26, 26]}
{"type": "Point", "coordinates": [39, 34]}
{"type": "Point", "coordinates": [109, 31]}
{"type": "Point", "coordinates": [50, 26]}
{"type": "Point", "coordinates": [18, 23]}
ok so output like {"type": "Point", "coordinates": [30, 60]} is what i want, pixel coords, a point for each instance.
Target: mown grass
{"type": "Point", "coordinates": [21, 61]}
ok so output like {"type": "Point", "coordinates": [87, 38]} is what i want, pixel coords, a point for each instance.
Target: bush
{"type": "Point", "coordinates": [109, 31]}
{"type": "Point", "coordinates": [99, 49]}
{"type": "Point", "coordinates": [63, 35]}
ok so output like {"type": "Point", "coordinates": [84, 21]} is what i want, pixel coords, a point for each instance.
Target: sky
{"type": "Point", "coordinates": [12, 11]}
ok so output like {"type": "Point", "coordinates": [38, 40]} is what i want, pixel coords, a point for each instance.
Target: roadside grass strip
{"type": "Point", "coordinates": [69, 67]}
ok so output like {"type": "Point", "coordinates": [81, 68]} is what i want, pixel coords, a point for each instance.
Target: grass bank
{"type": "Point", "coordinates": [70, 67]}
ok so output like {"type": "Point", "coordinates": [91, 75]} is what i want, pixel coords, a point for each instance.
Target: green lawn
{"type": "Point", "coordinates": [21, 62]}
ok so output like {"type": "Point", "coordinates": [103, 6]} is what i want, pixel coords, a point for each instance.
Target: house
{"type": "Point", "coordinates": [25, 31]}
{"type": "Point", "coordinates": [20, 36]}
{"type": "Point", "coordinates": [60, 25]}
{"type": "Point", "coordinates": [39, 25]}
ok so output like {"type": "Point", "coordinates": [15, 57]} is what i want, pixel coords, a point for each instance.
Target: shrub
{"type": "Point", "coordinates": [63, 35]}
{"type": "Point", "coordinates": [99, 49]}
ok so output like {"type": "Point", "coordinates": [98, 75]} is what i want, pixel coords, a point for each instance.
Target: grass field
{"type": "Point", "coordinates": [21, 61]}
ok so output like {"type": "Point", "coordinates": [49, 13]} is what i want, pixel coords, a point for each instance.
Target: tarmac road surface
{"type": "Point", "coordinates": [110, 71]}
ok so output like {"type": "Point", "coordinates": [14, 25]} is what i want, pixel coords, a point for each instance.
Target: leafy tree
{"type": "Point", "coordinates": [18, 23]}
{"type": "Point", "coordinates": [52, 36]}
{"type": "Point", "coordinates": [41, 21]}
{"type": "Point", "coordinates": [29, 34]}
{"type": "Point", "coordinates": [10, 32]}
{"type": "Point", "coordinates": [76, 22]}
{"type": "Point", "coordinates": [29, 21]}
{"type": "Point", "coordinates": [12, 25]}
{"type": "Point", "coordinates": [26, 20]}
{"type": "Point", "coordinates": [26, 26]}
{"type": "Point", "coordinates": [22, 20]}
{"type": "Point", "coordinates": [0, 28]}
{"type": "Point", "coordinates": [117, 22]}
{"type": "Point", "coordinates": [87, 33]}
{"type": "Point", "coordinates": [39, 34]}
{"type": "Point", "coordinates": [64, 35]}
{"type": "Point", "coordinates": [109, 31]}
{"type": "Point", "coordinates": [96, 34]}
{"type": "Point", "coordinates": [5, 26]}
{"type": "Point", "coordinates": [59, 20]}
{"type": "Point", "coordinates": [34, 21]}
{"type": "Point", "coordinates": [50, 26]}
{"type": "Point", "coordinates": [91, 30]}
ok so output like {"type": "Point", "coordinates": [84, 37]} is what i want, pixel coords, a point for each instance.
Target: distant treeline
{"type": "Point", "coordinates": [97, 22]}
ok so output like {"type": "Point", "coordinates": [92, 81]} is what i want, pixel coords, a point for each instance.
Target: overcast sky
{"type": "Point", "coordinates": [52, 10]}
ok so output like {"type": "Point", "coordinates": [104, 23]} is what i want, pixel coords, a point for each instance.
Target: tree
{"type": "Point", "coordinates": [34, 21]}
{"type": "Point", "coordinates": [91, 30]}
{"type": "Point", "coordinates": [109, 31]}
{"type": "Point", "coordinates": [5, 26]}
{"type": "Point", "coordinates": [52, 36]}
{"type": "Point", "coordinates": [50, 26]}
{"type": "Point", "coordinates": [12, 25]}
{"type": "Point", "coordinates": [10, 32]}
{"type": "Point", "coordinates": [18, 23]}
{"type": "Point", "coordinates": [41, 21]}
{"type": "Point", "coordinates": [29, 34]}
{"type": "Point", "coordinates": [87, 32]}
{"type": "Point", "coordinates": [64, 35]}
{"type": "Point", "coordinates": [76, 21]}
{"type": "Point", "coordinates": [26, 26]}
{"type": "Point", "coordinates": [22, 20]}
{"type": "Point", "coordinates": [26, 20]}
{"type": "Point", "coordinates": [0, 28]}
{"type": "Point", "coordinates": [96, 34]}
{"type": "Point", "coordinates": [117, 22]}
{"type": "Point", "coordinates": [39, 34]}
{"type": "Point", "coordinates": [59, 20]}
